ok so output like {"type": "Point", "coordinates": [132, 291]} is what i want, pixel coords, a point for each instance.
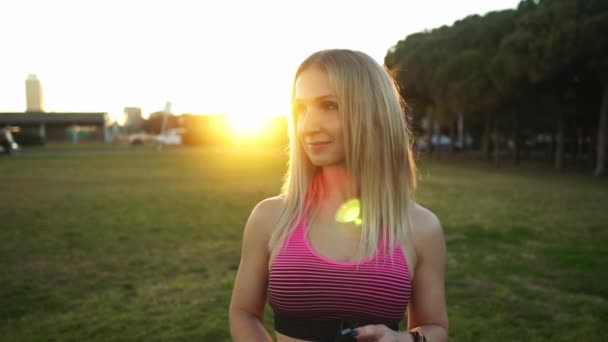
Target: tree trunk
{"type": "Point", "coordinates": [496, 139]}
{"type": "Point", "coordinates": [578, 151]}
{"type": "Point", "coordinates": [602, 135]}
{"type": "Point", "coordinates": [452, 135]}
{"type": "Point", "coordinates": [559, 142]}
{"type": "Point", "coordinates": [436, 144]}
{"type": "Point", "coordinates": [486, 138]}
{"type": "Point", "coordinates": [461, 141]}
{"type": "Point", "coordinates": [516, 143]}
{"type": "Point", "coordinates": [550, 151]}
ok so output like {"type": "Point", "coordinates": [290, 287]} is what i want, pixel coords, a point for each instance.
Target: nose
{"type": "Point", "coordinates": [309, 122]}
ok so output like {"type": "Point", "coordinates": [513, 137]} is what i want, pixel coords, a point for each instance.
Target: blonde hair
{"type": "Point", "coordinates": [378, 153]}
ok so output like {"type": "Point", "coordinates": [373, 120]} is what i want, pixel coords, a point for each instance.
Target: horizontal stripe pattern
{"type": "Point", "coordinates": [305, 284]}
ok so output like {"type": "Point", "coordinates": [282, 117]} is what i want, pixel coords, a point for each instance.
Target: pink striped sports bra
{"type": "Point", "coordinates": [313, 296]}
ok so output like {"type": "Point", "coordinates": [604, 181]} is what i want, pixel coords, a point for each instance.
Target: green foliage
{"type": "Point", "coordinates": [484, 63]}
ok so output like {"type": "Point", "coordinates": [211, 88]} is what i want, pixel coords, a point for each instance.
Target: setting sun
{"type": "Point", "coordinates": [247, 125]}
{"type": "Point", "coordinates": [257, 129]}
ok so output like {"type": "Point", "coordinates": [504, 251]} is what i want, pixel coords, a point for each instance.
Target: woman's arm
{"type": "Point", "coordinates": [427, 311]}
{"type": "Point", "coordinates": [249, 293]}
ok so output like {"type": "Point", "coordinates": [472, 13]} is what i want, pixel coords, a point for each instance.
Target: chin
{"type": "Point", "coordinates": [318, 162]}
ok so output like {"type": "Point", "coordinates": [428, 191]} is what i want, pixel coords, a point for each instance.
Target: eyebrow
{"type": "Point", "coordinates": [315, 99]}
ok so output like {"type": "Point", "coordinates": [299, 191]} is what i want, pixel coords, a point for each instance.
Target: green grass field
{"type": "Point", "coordinates": [144, 246]}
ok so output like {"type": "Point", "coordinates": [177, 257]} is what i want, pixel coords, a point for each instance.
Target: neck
{"type": "Point", "coordinates": [334, 187]}
{"type": "Point", "coordinates": [337, 186]}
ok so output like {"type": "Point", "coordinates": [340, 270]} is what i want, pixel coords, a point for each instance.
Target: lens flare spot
{"type": "Point", "coordinates": [350, 212]}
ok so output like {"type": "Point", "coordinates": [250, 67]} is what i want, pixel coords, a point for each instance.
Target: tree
{"type": "Point", "coordinates": [527, 67]}
{"type": "Point", "coordinates": [541, 53]}
{"type": "Point", "coordinates": [592, 59]}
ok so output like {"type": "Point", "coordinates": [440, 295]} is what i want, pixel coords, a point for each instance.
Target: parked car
{"type": "Point", "coordinates": [7, 143]}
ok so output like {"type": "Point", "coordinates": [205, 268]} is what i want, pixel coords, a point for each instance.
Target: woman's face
{"type": "Point", "coordinates": [318, 124]}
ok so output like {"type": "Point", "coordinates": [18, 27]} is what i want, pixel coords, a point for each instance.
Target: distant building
{"type": "Point", "coordinates": [33, 94]}
{"type": "Point", "coordinates": [133, 119]}
{"type": "Point", "coordinates": [39, 128]}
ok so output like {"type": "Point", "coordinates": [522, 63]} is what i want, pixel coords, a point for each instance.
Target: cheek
{"type": "Point", "coordinates": [336, 128]}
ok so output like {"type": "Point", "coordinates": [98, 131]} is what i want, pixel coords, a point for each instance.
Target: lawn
{"type": "Point", "coordinates": [144, 246]}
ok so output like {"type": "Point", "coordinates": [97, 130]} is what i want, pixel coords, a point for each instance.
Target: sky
{"type": "Point", "coordinates": [205, 57]}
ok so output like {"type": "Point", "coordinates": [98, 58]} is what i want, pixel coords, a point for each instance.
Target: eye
{"type": "Point", "coordinates": [329, 105]}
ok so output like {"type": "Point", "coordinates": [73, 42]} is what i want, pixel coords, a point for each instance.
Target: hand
{"type": "Point", "coordinates": [381, 333]}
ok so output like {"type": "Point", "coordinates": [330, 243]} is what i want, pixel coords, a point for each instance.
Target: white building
{"type": "Point", "coordinates": [33, 94]}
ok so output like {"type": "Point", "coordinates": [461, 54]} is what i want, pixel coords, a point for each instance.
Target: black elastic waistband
{"type": "Point", "coordinates": [319, 330]}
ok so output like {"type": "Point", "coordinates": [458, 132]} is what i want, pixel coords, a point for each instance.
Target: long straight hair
{"type": "Point", "coordinates": [378, 153]}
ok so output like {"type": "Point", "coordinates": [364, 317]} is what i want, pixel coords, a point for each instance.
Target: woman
{"type": "Point", "coordinates": [344, 251]}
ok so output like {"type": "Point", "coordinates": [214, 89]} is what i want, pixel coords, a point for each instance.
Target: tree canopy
{"type": "Point", "coordinates": [542, 66]}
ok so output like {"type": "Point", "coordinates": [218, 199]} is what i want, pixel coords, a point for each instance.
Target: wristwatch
{"type": "Point", "coordinates": [418, 336]}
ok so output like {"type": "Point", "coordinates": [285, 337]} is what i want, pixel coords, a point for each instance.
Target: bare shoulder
{"type": "Point", "coordinates": [427, 230]}
{"type": "Point", "coordinates": [264, 215]}
{"type": "Point", "coordinates": [425, 221]}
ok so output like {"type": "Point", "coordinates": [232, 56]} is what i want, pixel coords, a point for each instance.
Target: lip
{"type": "Point", "coordinates": [316, 146]}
